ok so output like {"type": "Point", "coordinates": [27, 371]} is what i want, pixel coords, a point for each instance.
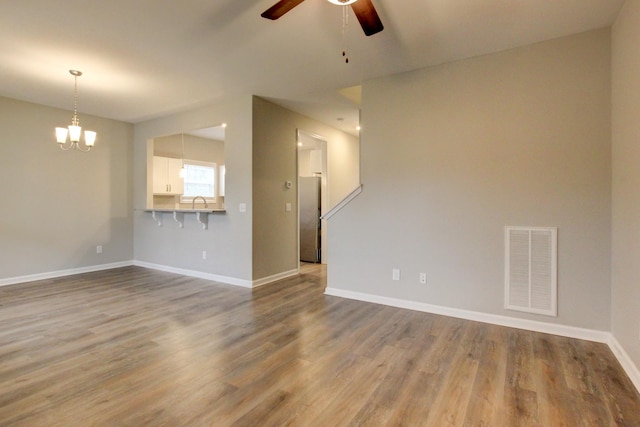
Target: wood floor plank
{"type": "Point", "coordinates": [138, 347]}
{"type": "Point", "coordinates": [486, 399]}
{"type": "Point", "coordinates": [450, 406]}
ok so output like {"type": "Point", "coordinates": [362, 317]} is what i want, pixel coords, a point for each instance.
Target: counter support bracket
{"type": "Point", "coordinates": [179, 218]}
{"type": "Point", "coordinates": [157, 216]}
{"type": "Point", "coordinates": [203, 218]}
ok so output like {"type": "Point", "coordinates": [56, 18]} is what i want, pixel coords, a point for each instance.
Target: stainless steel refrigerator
{"type": "Point", "coordinates": [309, 194]}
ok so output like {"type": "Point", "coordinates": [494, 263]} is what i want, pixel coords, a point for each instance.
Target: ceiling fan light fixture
{"type": "Point", "coordinates": [342, 2]}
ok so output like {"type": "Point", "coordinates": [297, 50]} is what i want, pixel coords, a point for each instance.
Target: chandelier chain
{"type": "Point", "coordinates": [75, 120]}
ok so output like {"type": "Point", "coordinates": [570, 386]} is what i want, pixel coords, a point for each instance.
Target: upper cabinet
{"type": "Point", "coordinates": [166, 176]}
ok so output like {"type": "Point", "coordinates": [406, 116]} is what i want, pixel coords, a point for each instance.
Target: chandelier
{"type": "Point", "coordinates": [74, 130]}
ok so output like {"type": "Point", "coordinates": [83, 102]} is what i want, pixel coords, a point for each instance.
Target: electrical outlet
{"type": "Point", "coordinates": [242, 207]}
{"type": "Point", "coordinates": [395, 274]}
{"type": "Point", "coordinates": [287, 207]}
{"type": "Point", "coordinates": [423, 278]}
{"type": "Point", "coordinates": [99, 249]}
{"type": "Point", "coordinates": [204, 254]}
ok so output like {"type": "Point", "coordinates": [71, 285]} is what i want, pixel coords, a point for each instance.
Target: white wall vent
{"type": "Point", "coordinates": [531, 269]}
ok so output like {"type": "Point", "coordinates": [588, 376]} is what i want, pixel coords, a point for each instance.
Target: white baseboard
{"type": "Point", "coordinates": [185, 272]}
{"type": "Point", "coordinates": [627, 364]}
{"type": "Point", "coordinates": [531, 325]}
{"type": "Point", "coordinates": [62, 273]}
{"type": "Point", "coordinates": [494, 319]}
{"type": "Point", "coordinates": [275, 277]}
{"type": "Point", "coordinates": [216, 277]}
{"type": "Point", "coordinates": [194, 273]}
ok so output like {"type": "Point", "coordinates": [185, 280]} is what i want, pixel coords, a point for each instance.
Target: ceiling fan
{"type": "Point", "coordinates": [363, 9]}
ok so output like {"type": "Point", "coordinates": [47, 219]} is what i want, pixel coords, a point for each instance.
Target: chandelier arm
{"type": "Point", "coordinates": [69, 147]}
{"type": "Point", "coordinates": [79, 147]}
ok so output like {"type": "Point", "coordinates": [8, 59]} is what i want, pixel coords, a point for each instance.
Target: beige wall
{"type": "Point", "coordinates": [304, 163]}
{"type": "Point", "coordinates": [228, 239]}
{"type": "Point", "coordinates": [58, 206]}
{"type": "Point", "coordinates": [343, 166]}
{"type": "Point", "coordinates": [453, 154]}
{"type": "Point", "coordinates": [626, 181]}
{"type": "Point", "coordinates": [275, 246]}
{"type": "Point", "coordinates": [195, 148]}
{"type": "Point", "coordinates": [274, 162]}
{"type": "Point", "coordinates": [260, 155]}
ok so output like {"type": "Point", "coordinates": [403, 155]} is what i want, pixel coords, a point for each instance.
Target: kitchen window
{"type": "Point", "coordinates": [199, 180]}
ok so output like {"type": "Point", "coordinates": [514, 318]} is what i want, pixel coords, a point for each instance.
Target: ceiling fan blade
{"type": "Point", "coordinates": [368, 17]}
{"type": "Point", "coordinates": [280, 8]}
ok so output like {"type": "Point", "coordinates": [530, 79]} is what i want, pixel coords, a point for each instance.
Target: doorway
{"type": "Point", "coordinates": [312, 197]}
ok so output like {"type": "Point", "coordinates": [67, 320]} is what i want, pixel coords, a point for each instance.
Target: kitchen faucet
{"type": "Point", "coordinates": [193, 202]}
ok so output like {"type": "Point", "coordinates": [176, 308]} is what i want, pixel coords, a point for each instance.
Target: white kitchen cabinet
{"type": "Point", "coordinates": [166, 176]}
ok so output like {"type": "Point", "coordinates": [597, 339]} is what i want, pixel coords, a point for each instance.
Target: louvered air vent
{"type": "Point", "coordinates": [531, 269]}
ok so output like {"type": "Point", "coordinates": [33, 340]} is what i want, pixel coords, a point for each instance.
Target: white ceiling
{"type": "Point", "coordinates": [147, 58]}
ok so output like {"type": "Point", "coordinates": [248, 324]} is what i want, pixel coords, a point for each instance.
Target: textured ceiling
{"type": "Point", "coordinates": [147, 58]}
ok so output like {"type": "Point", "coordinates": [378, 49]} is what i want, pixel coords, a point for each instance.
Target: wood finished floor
{"type": "Point", "coordinates": [137, 347]}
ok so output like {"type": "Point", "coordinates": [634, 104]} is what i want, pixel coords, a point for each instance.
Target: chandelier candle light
{"type": "Point", "coordinates": [74, 131]}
